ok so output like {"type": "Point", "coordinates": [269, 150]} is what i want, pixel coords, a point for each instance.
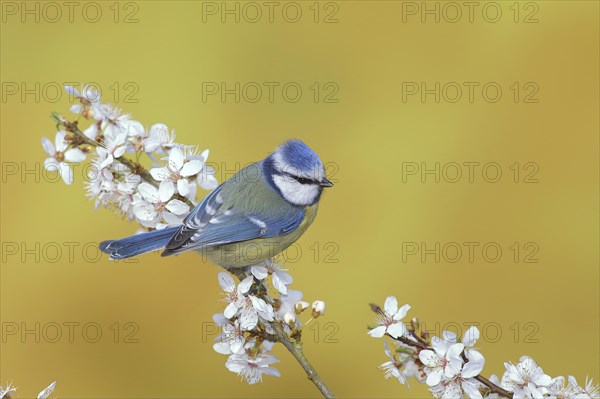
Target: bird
{"type": "Point", "coordinates": [250, 218]}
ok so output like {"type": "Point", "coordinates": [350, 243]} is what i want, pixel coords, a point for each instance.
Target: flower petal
{"type": "Point", "coordinates": [391, 305]}
{"type": "Point", "coordinates": [471, 336]}
{"type": "Point", "coordinates": [248, 319]}
{"type": "Point", "coordinates": [226, 282]}
{"type": "Point", "coordinates": [245, 284]}
{"type": "Point", "coordinates": [439, 346]}
{"type": "Point", "coordinates": [72, 91]}
{"type": "Point", "coordinates": [134, 128]}
{"type": "Point", "coordinates": [191, 168]}
{"type": "Point", "coordinates": [279, 284]}
{"type": "Point", "coordinates": [148, 192]}
{"type": "Point", "coordinates": [166, 189]}
{"type": "Point", "coordinates": [176, 159]}
{"type": "Point", "coordinates": [258, 303]}
{"type": "Point", "coordinates": [454, 351]}
{"type": "Point", "coordinates": [435, 376]}
{"type": "Point", "coordinates": [471, 389]}
{"type": "Point", "coordinates": [75, 155]}
{"type": "Point", "coordinates": [449, 336]}
{"type": "Point", "coordinates": [59, 141]}
{"type": "Point", "coordinates": [183, 187]}
{"type": "Point", "coordinates": [51, 164]}
{"type": "Point", "coordinates": [171, 219]}
{"type": "Point", "coordinates": [230, 310]}
{"type": "Point", "coordinates": [48, 146]}
{"type": "Point", "coordinates": [453, 366]}
{"type": "Point", "coordinates": [222, 348]}
{"type": "Point", "coordinates": [178, 207]}
{"type": "Point", "coordinates": [91, 132]}
{"type": "Point", "coordinates": [402, 312]}
{"type": "Point", "coordinates": [285, 277]}
{"type": "Point", "coordinates": [107, 161]}
{"type": "Point", "coordinates": [386, 349]}
{"type": "Point", "coordinates": [397, 330]}
{"type": "Point", "coordinates": [453, 391]}
{"type": "Point", "coordinates": [260, 272]}
{"type": "Point", "coordinates": [119, 151]}
{"type": "Point", "coordinates": [76, 108]}
{"type": "Point", "coordinates": [207, 181]}
{"type": "Point", "coordinates": [144, 211]}
{"type": "Point", "coordinates": [472, 368]}
{"type": "Point", "coordinates": [377, 332]}
{"type": "Point", "coordinates": [429, 358]}
{"type": "Point", "coordinates": [542, 379]}
{"type": "Point", "coordinates": [160, 174]}
{"type": "Point", "coordinates": [66, 172]}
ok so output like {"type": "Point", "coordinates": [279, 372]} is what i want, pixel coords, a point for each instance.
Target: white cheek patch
{"type": "Point", "coordinates": [295, 192]}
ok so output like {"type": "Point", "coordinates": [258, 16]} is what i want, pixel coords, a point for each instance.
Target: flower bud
{"type": "Point", "coordinates": [289, 318]}
{"type": "Point", "coordinates": [318, 308]}
{"type": "Point", "coordinates": [300, 306]}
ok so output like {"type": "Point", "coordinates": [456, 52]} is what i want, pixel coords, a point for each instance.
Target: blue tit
{"type": "Point", "coordinates": [253, 216]}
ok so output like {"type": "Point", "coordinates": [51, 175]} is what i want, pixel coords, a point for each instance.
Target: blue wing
{"type": "Point", "coordinates": [209, 225]}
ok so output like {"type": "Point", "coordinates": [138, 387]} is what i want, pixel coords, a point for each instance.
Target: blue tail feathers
{"type": "Point", "coordinates": [138, 244]}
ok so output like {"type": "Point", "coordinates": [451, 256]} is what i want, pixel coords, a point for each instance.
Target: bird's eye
{"type": "Point", "coordinates": [301, 180]}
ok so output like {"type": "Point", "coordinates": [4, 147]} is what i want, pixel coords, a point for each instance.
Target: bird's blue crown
{"type": "Point", "coordinates": [299, 156]}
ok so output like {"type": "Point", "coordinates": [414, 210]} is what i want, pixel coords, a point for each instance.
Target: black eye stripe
{"type": "Point", "coordinates": [301, 180]}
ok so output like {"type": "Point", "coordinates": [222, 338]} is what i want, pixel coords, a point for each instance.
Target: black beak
{"type": "Point", "coordinates": [325, 183]}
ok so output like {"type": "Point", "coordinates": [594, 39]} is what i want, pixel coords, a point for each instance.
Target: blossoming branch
{"type": "Point", "coordinates": [156, 198]}
{"type": "Point", "coordinates": [452, 367]}
{"type": "Point", "coordinates": [260, 310]}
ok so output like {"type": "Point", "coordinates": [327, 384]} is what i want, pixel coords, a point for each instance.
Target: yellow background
{"type": "Point", "coordinates": [370, 212]}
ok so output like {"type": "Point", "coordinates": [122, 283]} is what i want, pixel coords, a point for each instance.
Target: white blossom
{"type": "Point", "coordinates": [443, 361]}
{"type": "Point", "coordinates": [252, 367]}
{"type": "Point", "coordinates": [5, 391]}
{"type": "Point", "coordinates": [177, 171]}
{"type": "Point", "coordinates": [591, 390]}
{"type": "Point", "coordinates": [114, 134]}
{"type": "Point", "coordinates": [254, 308]}
{"type": "Point", "coordinates": [89, 101]}
{"type": "Point", "coordinates": [113, 147]}
{"type": "Point", "coordinates": [391, 320]}
{"type": "Point", "coordinates": [393, 367]}
{"type": "Point", "coordinates": [114, 121]}
{"type": "Point", "coordinates": [559, 389]}
{"type": "Point", "coordinates": [525, 379]}
{"type": "Point", "coordinates": [157, 205]}
{"type": "Point", "coordinates": [279, 277]}
{"type": "Point", "coordinates": [233, 294]}
{"type": "Point", "coordinates": [127, 194]}
{"type": "Point", "coordinates": [159, 138]}
{"type": "Point", "coordinates": [231, 340]}
{"type": "Point", "coordinates": [60, 155]}
{"type": "Point", "coordinates": [469, 338]}
{"type": "Point", "coordinates": [465, 379]}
